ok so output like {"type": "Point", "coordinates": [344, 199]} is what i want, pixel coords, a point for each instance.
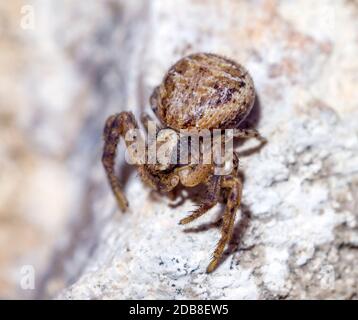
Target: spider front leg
{"type": "Point", "coordinates": [116, 126]}
{"type": "Point", "coordinates": [234, 184]}
{"type": "Point", "coordinates": [147, 120]}
{"type": "Point", "coordinates": [210, 200]}
{"type": "Point", "coordinates": [212, 192]}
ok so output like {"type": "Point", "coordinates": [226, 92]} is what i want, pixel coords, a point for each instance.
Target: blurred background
{"type": "Point", "coordinates": [66, 65]}
{"type": "Point", "coordinates": [53, 101]}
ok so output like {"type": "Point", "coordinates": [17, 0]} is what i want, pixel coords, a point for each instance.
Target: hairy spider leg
{"type": "Point", "coordinates": [234, 184]}
{"type": "Point", "coordinates": [249, 133]}
{"type": "Point", "coordinates": [211, 199]}
{"type": "Point", "coordinates": [116, 126]}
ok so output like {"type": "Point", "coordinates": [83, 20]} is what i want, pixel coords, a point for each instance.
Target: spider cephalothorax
{"type": "Point", "coordinates": [201, 91]}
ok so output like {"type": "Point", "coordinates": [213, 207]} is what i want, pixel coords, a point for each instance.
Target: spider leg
{"type": "Point", "coordinates": [145, 118]}
{"type": "Point", "coordinates": [234, 184]}
{"type": "Point", "coordinates": [211, 199]}
{"type": "Point", "coordinates": [154, 101]}
{"type": "Point", "coordinates": [235, 169]}
{"type": "Point", "coordinates": [249, 133]}
{"type": "Point", "coordinates": [116, 126]}
{"type": "Point", "coordinates": [213, 190]}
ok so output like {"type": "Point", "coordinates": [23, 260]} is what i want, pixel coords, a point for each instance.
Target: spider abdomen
{"type": "Point", "coordinates": [204, 91]}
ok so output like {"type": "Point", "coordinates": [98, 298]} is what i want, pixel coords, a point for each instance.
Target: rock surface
{"type": "Point", "coordinates": [296, 235]}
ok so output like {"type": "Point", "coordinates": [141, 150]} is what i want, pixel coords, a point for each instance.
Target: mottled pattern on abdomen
{"type": "Point", "coordinates": [205, 91]}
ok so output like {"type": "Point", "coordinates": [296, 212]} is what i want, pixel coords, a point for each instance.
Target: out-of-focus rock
{"type": "Point", "coordinates": [35, 185]}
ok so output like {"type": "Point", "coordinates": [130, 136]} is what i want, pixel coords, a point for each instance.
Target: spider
{"type": "Point", "coordinates": [200, 91]}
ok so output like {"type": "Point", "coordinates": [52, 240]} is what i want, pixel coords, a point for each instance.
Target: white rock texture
{"type": "Point", "coordinates": [296, 234]}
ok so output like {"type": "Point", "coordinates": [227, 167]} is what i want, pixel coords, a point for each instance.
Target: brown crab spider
{"type": "Point", "coordinates": [201, 91]}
